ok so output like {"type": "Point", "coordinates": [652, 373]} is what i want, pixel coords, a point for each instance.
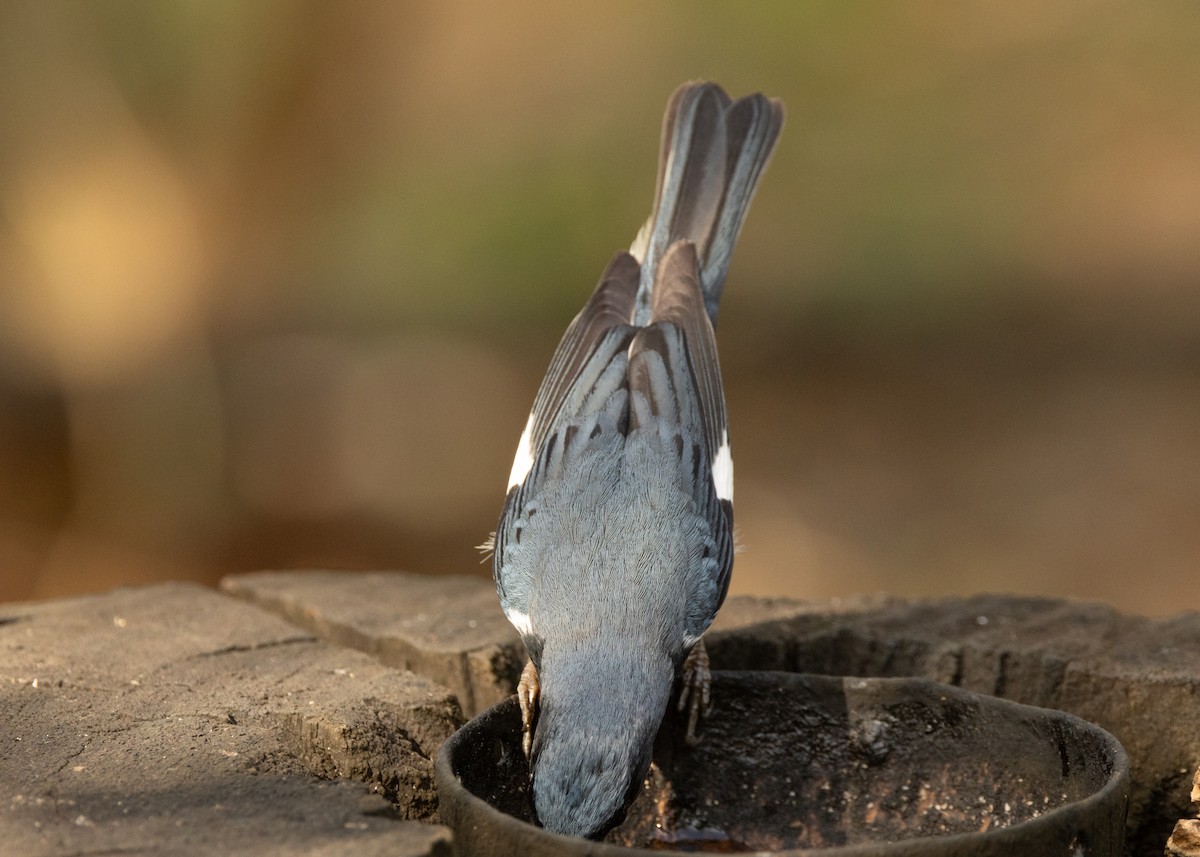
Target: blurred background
{"type": "Point", "coordinates": [278, 281]}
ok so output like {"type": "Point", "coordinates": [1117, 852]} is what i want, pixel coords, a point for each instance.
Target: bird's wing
{"type": "Point", "coordinates": [675, 389]}
{"type": "Point", "coordinates": [584, 390]}
{"type": "Point", "coordinates": [580, 353]}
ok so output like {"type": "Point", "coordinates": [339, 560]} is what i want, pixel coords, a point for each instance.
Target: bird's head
{"type": "Point", "coordinates": [594, 739]}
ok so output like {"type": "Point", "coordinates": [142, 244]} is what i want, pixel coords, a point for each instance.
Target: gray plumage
{"type": "Point", "coordinates": [615, 546]}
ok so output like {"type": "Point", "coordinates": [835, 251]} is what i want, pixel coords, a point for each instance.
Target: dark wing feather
{"type": "Point", "coordinates": [610, 306]}
{"type": "Point", "coordinates": [675, 385]}
{"type": "Point", "coordinates": [678, 300]}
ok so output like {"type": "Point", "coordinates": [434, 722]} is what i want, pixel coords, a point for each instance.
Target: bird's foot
{"type": "Point", "coordinates": [528, 691]}
{"type": "Point", "coordinates": [696, 693]}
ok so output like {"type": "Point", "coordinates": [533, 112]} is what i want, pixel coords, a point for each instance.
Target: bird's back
{"type": "Point", "coordinates": [617, 551]}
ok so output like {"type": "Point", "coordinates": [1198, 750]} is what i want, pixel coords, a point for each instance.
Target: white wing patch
{"type": "Point", "coordinates": [523, 462]}
{"type": "Point", "coordinates": [638, 248]}
{"type": "Point", "coordinates": [520, 621]}
{"type": "Point", "coordinates": [722, 469]}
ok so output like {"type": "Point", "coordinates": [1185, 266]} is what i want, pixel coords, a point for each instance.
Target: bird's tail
{"type": "Point", "coordinates": [713, 152]}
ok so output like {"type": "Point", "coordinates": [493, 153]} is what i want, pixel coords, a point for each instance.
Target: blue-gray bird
{"type": "Point", "coordinates": [614, 549]}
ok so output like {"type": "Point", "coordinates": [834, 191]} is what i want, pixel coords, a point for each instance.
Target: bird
{"type": "Point", "coordinates": [615, 545]}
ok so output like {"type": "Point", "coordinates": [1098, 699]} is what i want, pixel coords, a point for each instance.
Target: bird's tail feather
{"type": "Point", "coordinates": [713, 152]}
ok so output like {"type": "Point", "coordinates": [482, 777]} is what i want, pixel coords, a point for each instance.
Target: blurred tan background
{"type": "Point", "coordinates": [278, 282]}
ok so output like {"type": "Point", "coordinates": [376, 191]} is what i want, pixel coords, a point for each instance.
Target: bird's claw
{"type": "Point", "coordinates": [528, 691]}
{"type": "Point", "coordinates": [696, 693]}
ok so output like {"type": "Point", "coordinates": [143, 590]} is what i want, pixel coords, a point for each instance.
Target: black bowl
{"type": "Point", "coordinates": [793, 763]}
